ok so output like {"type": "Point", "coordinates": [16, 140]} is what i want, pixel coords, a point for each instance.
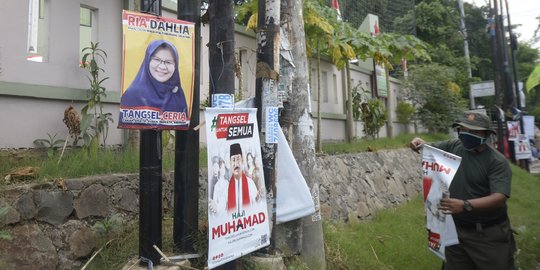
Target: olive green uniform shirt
{"type": "Point", "coordinates": [479, 174]}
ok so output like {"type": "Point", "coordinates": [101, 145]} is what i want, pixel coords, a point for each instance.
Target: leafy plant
{"type": "Point", "coordinates": [94, 125]}
{"type": "Point", "coordinates": [360, 95]}
{"type": "Point", "coordinates": [108, 225]}
{"type": "Point", "coordinates": [373, 116]}
{"type": "Point", "coordinates": [404, 112]}
{"type": "Point", "coordinates": [51, 144]}
{"type": "Point", "coordinates": [4, 234]}
{"type": "Point", "coordinates": [432, 89]}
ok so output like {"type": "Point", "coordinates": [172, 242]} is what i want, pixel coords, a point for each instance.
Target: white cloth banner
{"type": "Point", "coordinates": [528, 126]}
{"type": "Point", "coordinates": [293, 197]}
{"type": "Point", "coordinates": [438, 170]}
{"type": "Point", "coordinates": [238, 222]}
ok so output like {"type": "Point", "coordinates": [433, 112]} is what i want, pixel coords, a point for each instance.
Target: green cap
{"type": "Point", "coordinates": [474, 121]}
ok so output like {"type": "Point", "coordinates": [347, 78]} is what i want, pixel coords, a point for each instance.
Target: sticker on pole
{"type": "Point", "coordinates": [272, 125]}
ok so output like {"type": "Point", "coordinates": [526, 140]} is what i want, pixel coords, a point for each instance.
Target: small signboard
{"type": "Point", "coordinates": [483, 89]}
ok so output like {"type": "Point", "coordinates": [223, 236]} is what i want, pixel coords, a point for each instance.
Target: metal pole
{"type": "Point", "coordinates": [150, 187]}
{"type": "Point", "coordinates": [186, 162]}
{"type": "Point", "coordinates": [493, 33]}
{"type": "Point", "coordinates": [150, 181]}
{"type": "Point", "coordinates": [221, 47]}
{"type": "Point", "coordinates": [507, 79]}
{"type": "Point", "coordinates": [221, 57]}
{"type": "Point", "coordinates": [513, 47]}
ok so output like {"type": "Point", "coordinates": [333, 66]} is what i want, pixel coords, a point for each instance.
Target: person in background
{"type": "Point", "coordinates": [477, 201]}
{"type": "Point", "coordinates": [253, 172]}
{"type": "Point", "coordinates": [218, 201]}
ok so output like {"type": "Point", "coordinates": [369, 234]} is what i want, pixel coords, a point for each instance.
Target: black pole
{"type": "Point", "coordinates": [221, 58]}
{"type": "Point", "coordinates": [150, 180]}
{"type": "Point", "coordinates": [186, 161]}
{"type": "Point", "coordinates": [150, 187]}
{"type": "Point", "coordinates": [267, 76]}
{"type": "Point", "coordinates": [513, 47]}
{"type": "Point", "coordinates": [507, 79]}
{"type": "Point", "coordinates": [494, 33]}
{"type": "Point", "coordinates": [221, 47]}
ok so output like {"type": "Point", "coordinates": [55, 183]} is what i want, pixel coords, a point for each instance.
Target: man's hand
{"type": "Point", "coordinates": [212, 206]}
{"type": "Point", "coordinates": [416, 144]}
{"type": "Point", "coordinates": [451, 206]}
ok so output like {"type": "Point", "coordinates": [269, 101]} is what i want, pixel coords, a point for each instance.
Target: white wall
{"type": "Point", "coordinates": [25, 118]}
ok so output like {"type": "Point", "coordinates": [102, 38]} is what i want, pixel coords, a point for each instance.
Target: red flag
{"type": "Point", "coordinates": [335, 5]}
{"type": "Point", "coordinates": [376, 30]}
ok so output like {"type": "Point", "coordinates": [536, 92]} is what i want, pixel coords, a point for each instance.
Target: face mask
{"type": "Point", "coordinates": [470, 141]}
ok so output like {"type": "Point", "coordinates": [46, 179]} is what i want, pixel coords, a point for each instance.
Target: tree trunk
{"type": "Point", "coordinates": [300, 133]}
{"type": "Point", "coordinates": [319, 139]}
{"type": "Point", "coordinates": [350, 121]}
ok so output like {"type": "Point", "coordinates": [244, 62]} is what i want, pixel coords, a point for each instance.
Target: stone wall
{"type": "Point", "coordinates": [354, 186]}
{"type": "Point", "coordinates": [51, 223]}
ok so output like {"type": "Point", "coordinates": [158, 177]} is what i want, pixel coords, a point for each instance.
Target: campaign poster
{"type": "Point", "coordinates": [522, 147]}
{"type": "Point", "coordinates": [238, 222]}
{"type": "Point", "coordinates": [513, 130]}
{"type": "Point", "coordinates": [157, 72]}
{"type": "Point", "coordinates": [438, 170]}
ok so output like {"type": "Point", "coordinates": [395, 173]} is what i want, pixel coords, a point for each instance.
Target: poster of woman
{"type": "Point", "coordinates": [157, 72]}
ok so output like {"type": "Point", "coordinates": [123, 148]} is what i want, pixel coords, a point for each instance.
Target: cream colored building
{"type": "Point", "coordinates": [40, 73]}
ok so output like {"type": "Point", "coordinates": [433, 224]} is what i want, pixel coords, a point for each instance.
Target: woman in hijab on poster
{"type": "Point", "coordinates": [157, 84]}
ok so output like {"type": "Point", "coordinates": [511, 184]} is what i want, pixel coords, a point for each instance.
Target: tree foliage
{"type": "Point", "coordinates": [432, 89]}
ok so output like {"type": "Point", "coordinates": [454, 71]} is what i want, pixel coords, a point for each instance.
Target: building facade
{"type": "Point", "coordinates": [41, 73]}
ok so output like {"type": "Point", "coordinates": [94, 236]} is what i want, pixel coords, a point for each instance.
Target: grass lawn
{"type": "Point", "coordinates": [396, 238]}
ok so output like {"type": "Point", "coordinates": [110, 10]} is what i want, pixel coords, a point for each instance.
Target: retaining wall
{"type": "Point", "coordinates": [51, 223]}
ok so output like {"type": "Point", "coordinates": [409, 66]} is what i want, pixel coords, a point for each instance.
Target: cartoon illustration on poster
{"type": "Point", "coordinates": [157, 72]}
{"type": "Point", "coordinates": [237, 211]}
{"type": "Point", "coordinates": [513, 130]}
{"type": "Point", "coordinates": [438, 170]}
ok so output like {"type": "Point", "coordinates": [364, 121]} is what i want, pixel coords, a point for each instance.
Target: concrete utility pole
{"type": "Point", "coordinates": [350, 121]}
{"type": "Point", "coordinates": [298, 125]}
{"type": "Point", "coordinates": [266, 97]}
{"type": "Point", "coordinates": [186, 161]}
{"type": "Point", "coordinates": [466, 48]}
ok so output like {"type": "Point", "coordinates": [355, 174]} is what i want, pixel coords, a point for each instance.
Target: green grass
{"type": "Point", "coordinates": [525, 217]}
{"type": "Point", "coordinates": [396, 239]}
{"type": "Point", "coordinates": [78, 163]}
{"type": "Point", "coordinates": [363, 145]}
